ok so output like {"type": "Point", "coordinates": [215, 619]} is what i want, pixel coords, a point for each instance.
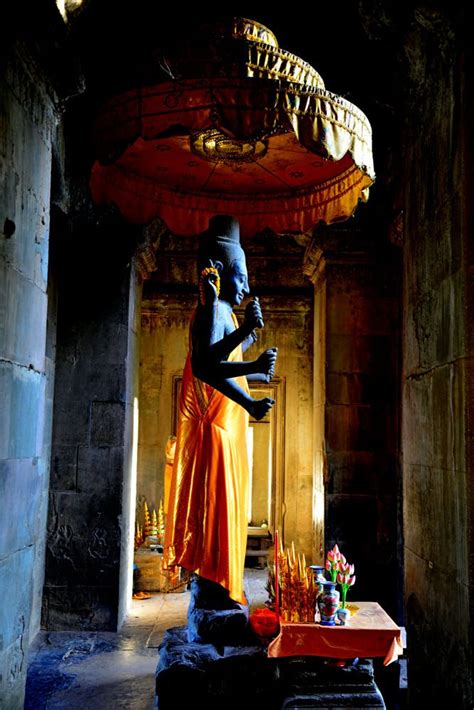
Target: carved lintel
{"type": "Point", "coordinates": [145, 261]}
{"type": "Point", "coordinates": [314, 263]}
{"type": "Point", "coordinates": [337, 246]}
{"type": "Point", "coordinates": [145, 255]}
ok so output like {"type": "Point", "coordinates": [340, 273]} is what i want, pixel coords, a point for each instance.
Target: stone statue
{"type": "Point", "coordinates": [206, 530]}
{"type": "Point", "coordinates": [215, 331]}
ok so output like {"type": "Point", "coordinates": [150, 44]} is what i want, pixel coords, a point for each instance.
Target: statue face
{"type": "Point", "coordinates": [235, 283]}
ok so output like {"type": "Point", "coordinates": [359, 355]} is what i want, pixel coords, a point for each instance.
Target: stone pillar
{"type": "Point", "coordinates": [92, 501]}
{"type": "Point", "coordinates": [314, 268]}
{"type": "Point", "coordinates": [438, 366]}
{"type": "Point", "coordinates": [29, 116]}
{"type": "Point", "coordinates": [356, 403]}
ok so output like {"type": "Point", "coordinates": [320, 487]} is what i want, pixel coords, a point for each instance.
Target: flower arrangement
{"type": "Point", "coordinates": [345, 578]}
{"type": "Point", "coordinates": [292, 587]}
{"type": "Point", "coordinates": [341, 572]}
{"type": "Point", "coordinates": [332, 562]}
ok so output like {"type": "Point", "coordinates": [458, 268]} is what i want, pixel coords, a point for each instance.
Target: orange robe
{"type": "Point", "coordinates": [206, 526]}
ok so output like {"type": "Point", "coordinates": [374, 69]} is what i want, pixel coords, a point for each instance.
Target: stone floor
{"type": "Point", "coordinates": [109, 671]}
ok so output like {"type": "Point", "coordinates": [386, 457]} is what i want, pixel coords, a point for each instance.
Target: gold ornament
{"type": "Point", "coordinates": [146, 520]}
{"type": "Point", "coordinates": [154, 524]}
{"type": "Point", "coordinates": [161, 523]}
{"type": "Point", "coordinates": [217, 283]}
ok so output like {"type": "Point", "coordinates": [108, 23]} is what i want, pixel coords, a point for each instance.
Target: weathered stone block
{"type": "Point", "coordinates": [368, 354]}
{"type": "Point", "coordinates": [357, 388]}
{"type": "Point", "coordinates": [356, 428]}
{"type": "Point", "coordinates": [429, 619]}
{"type": "Point", "coordinates": [433, 421]}
{"type": "Point", "coordinates": [22, 319]}
{"type": "Point", "coordinates": [435, 256]}
{"type": "Point", "coordinates": [100, 468]}
{"type": "Point", "coordinates": [361, 472]}
{"type": "Point", "coordinates": [80, 607]}
{"type": "Point", "coordinates": [354, 314]}
{"type": "Point", "coordinates": [213, 617]}
{"type": "Point", "coordinates": [15, 609]}
{"type": "Point", "coordinates": [437, 494]}
{"type": "Point", "coordinates": [26, 179]}
{"type": "Point", "coordinates": [214, 677]}
{"type": "Point", "coordinates": [109, 346]}
{"type": "Point", "coordinates": [69, 407]}
{"type": "Point", "coordinates": [84, 539]}
{"type": "Point", "coordinates": [433, 335]}
{"type": "Point", "coordinates": [311, 682]}
{"type": "Point", "coordinates": [64, 468]}
{"type": "Point", "coordinates": [21, 423]}
{"type": "Point", "coordinates": [12, 676]}
{"type": "Point", "coordinates": [23, 485]}
{"type": "Point", "coordinates": [105, 383]}
{"type": "Point", "coordinates": [107, 423]}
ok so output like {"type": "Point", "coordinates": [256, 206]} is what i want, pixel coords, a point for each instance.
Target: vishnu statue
{"type": "Point", "coordinates": [206, 530]}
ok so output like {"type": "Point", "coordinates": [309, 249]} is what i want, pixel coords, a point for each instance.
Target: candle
{"type": "Point", "coordinates": [277, 582]}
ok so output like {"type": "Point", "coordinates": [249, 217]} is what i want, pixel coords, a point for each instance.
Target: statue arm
{"type": "Point", "coordinates": [211, 344]}
{"type": "Point", "coordinates": [258, 377]}
{"type": "Point", "coordinates": [219, 373]}
{"type": "Point", "coordinates": [210, 370]}
{"type": "Point", "coordinates": [249, 341]}
{"type": "Point", "coordinates": [257, 408]}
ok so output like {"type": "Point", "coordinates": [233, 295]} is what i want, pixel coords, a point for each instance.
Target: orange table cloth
{"type": "Point", "coordinates": [369, 633]}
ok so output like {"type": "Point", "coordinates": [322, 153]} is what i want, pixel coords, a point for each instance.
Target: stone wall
{"type": "Point", "coordinates": [357, 415]}
{"type": "Point", "coordinates": [27, 127]}
{"type": "Point", "coordinates": [90, 529]}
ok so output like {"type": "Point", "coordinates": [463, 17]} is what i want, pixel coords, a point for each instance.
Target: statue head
{"type": "Point", "coordinates": [221, 246]}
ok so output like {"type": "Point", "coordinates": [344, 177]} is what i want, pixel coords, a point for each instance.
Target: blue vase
{"type": "Point", "coordinates": [319, 577]}
{"type": "Point", "coordinates": [343, 615]}
{"type": "Point", "coordinates": [328, 604]}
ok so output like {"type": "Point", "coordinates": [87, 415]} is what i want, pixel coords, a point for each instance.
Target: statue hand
{"type": "Point", "coordinates": [266, 363]}
{"type": "Point", "coordinates": [253, 315]}
{"type": "Point", "coordinates": [260, 407]}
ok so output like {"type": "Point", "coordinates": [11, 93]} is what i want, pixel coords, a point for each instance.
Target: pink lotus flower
{"type": "Point", "coordinates": [333, 561]}
{"type": "Point", "coordinates": [346, 579]}
{"type": "Point", "coordinates": [341, 571]}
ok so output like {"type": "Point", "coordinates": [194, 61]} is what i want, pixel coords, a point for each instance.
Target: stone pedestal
{"type": "Point", "coordinates": [310, 682]}
{"type": "Point", "coordinates": [213, 617]}
{"type": "Point", "coordinates": [192, 674]}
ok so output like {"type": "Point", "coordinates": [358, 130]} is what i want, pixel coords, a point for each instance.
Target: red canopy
{"type": "Point", "coordinates": [268, 150]}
